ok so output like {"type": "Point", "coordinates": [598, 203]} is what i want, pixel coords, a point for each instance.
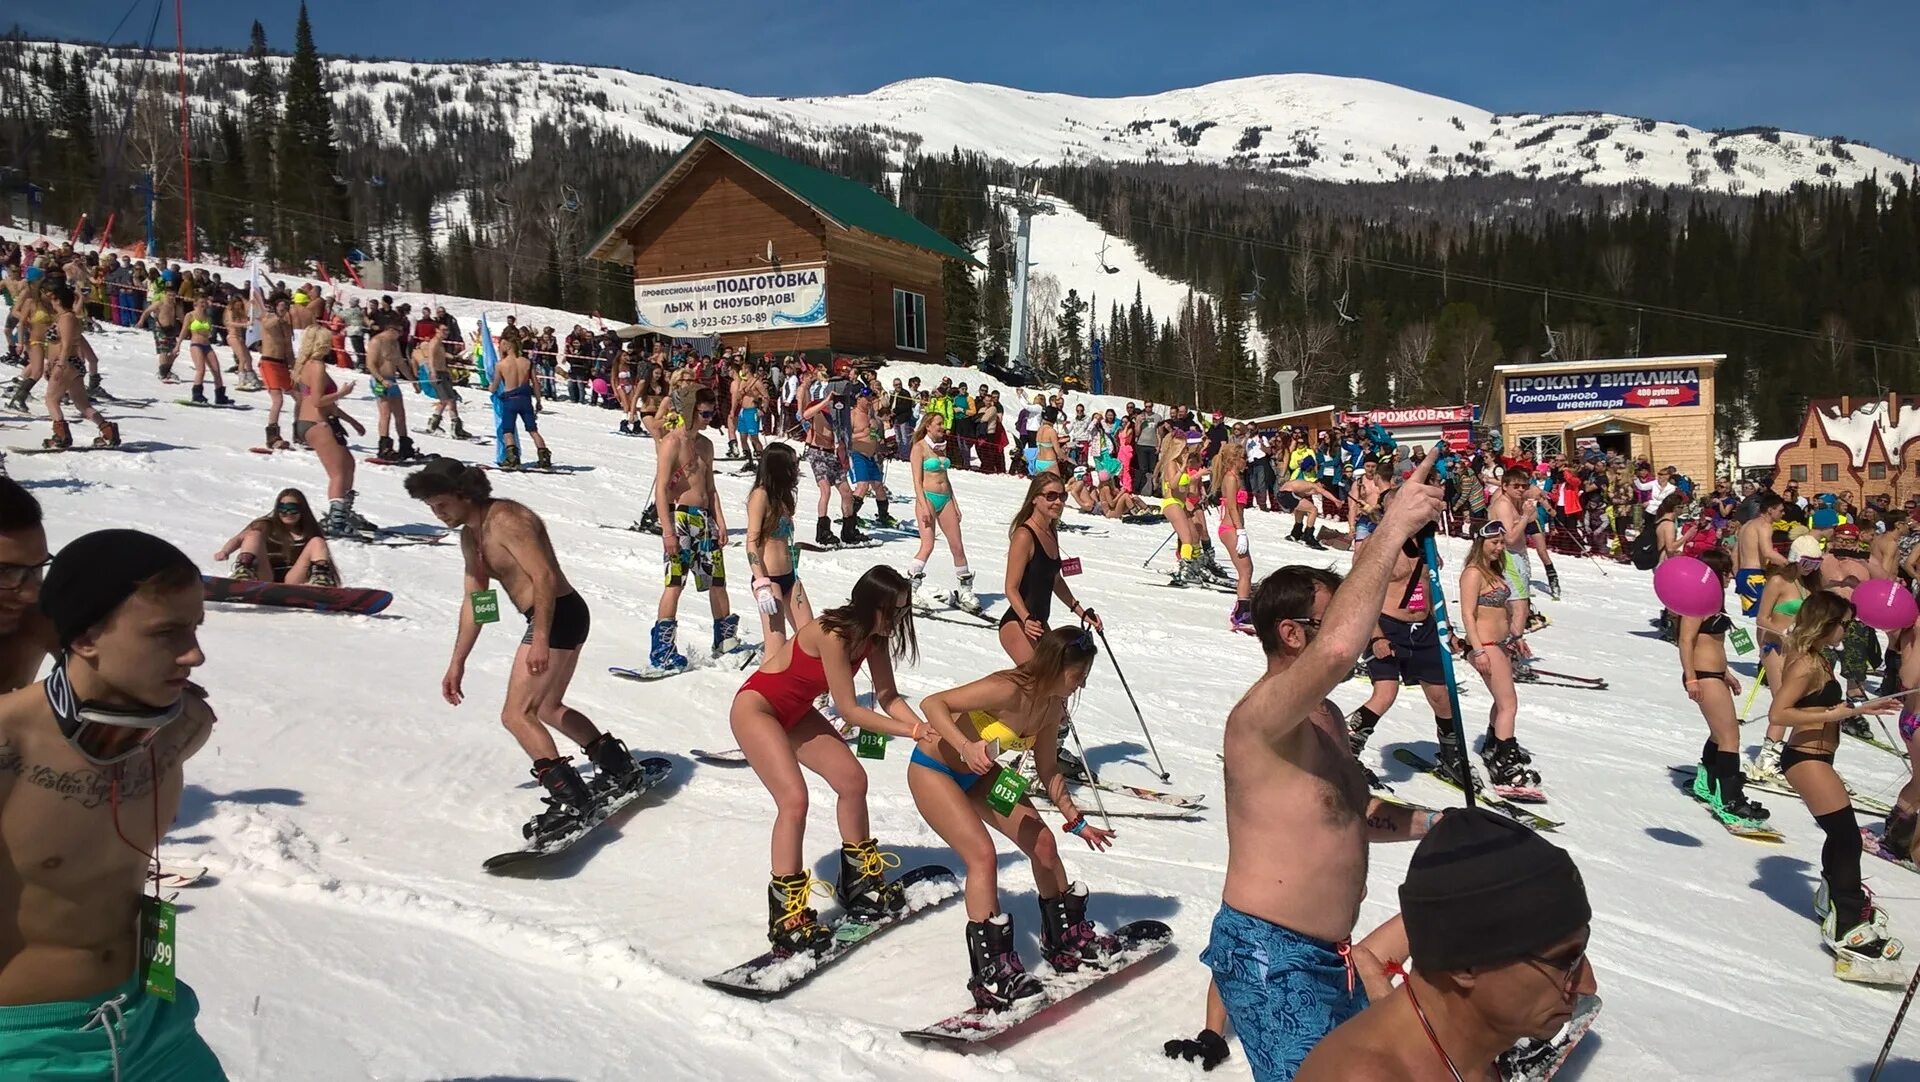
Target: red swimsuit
{"type": "Point", "coordinates": [791, 691]}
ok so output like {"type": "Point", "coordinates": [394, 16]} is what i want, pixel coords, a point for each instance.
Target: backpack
{"type": "Point", "coordinates": [1644, 550]}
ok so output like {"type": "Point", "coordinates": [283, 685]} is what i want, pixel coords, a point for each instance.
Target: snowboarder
{"type": "Point", "coordinates": [826, 456]}
{"type": "Point", "coordinates": [1720, 783]}
{"type": "Point", "coordinates": [277, 324]}
{"type": "Point", "coordinates": [1035, 576]}
{"type": "Point", "coordinates": [771, 554]}
{"type": "Point", "coordinates": [200, 345]}
{"type": "Point", "coordinates": [865, 461]}
{"type": "Point", "coordinates": [317, 420]}
{"type": "Point", "coordinates": [693, 533]}
{"type": "Point", "coordinates": [26, 636]}
{"type": "Point", "coordinates": [432, 351]}
{"type": "Point", "coordinates": [389, 370]}
{"type": "Point", "coordinates": [952, 777]}
{"type": "Point", "coordinates": [505, 540]}
{"type": "Point", "coordinates": [1514, 506]}
{"type": "Point", "coordinates": [1497, 919]}
{"type": "Point", "coordinates": [774, 719]}
{"type": "Point", "coordinates": [67, 376]}
{"type": "Point", "coordinates": [100, 745]}
{"type": "Point", "coordinates": [1298, 814]}
{"type": "Point", "coordinates": [236, 316]}
{"type": "Point", "coordinates": [515, 395]}
{"type": "Point", "coordinates": [286, 545]}
{"type": "Point", "coordinates": [937, 508]}
{"type": "Point", "coordinates": [1488, 627]}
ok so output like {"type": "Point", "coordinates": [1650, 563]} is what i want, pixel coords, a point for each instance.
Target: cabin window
{"type": "Point", "coordinates": [1877, 472]}
{"type": "Point", "coordinates": [909, 321]}
{"type": "Point", "coordinates": [1797, 473]}
{"type": "Point", "coordinates": [1539, 447]}
{"type": "Point", "coordinates": [1829, 472]}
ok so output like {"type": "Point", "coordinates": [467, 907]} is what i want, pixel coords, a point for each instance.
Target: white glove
{"type": "Point", "coordinates": [1239, 542]}
{"type": "Point", "coordinates": [764, 596]}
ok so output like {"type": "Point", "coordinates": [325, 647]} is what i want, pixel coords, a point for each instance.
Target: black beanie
{"type": "Point", "coordinates": [95, 573]}
{"type": "Point", "coordinates": [1482, 889]}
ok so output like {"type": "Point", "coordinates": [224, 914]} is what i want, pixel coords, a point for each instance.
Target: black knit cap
{"type": "Point", "coordinates": [95, 573]}
{"type": "Point", "coordinates": [1482, 889]}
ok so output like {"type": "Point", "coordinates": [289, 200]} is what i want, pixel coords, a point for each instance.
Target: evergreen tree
{"type": "Point", "coordinates": [433, 276]}
{"type": "Point", "coordinates": [1230, 366]}
{"type": "Point", "coordinates": [962, 294]}
{"type": "Point", "coordinates": [1071, 346]}
{"type": "Point", "coordinates": [226, 204]}
{"type": "Point", "coordinates": [77, 168]}
{"type": "Point", "coordinates": [465, 273]}
{"type": "Point", "coordinates": [307, 158]}
{"type": "Point", "coordinates": [259, 120]}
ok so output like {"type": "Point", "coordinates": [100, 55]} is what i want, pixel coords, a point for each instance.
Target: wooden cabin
{"type": "Point", "coordinates": [773, 256]}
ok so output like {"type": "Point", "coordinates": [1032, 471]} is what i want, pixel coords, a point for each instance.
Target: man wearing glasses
{"type": "Point", "coordinates": [694, 532]}
{"type": "Point", "coordinates": [1299, 817]}
{"type": "Point", "coordinates": [26, 637]}
{"type": "Point", "coordinates": [1498, 920]}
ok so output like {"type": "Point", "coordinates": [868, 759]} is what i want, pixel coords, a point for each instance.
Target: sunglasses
{"type": "Point", "coordinates": [706, 413]}
{"type": "Point", "coordinates": [1572, 968]}
{"type": "Point", "coordinates": [287, 508]}
{"type": "Point", "coordinates": [14, 576]}
{"type": "Point", "coordinates": [1061, 495]}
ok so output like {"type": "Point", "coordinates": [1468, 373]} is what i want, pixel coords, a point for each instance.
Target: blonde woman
{"type": "Point", "coordinates": [67, 375]}
{"type": "Point", "coordinates": [1227, 467]}
{"type": "Point", "coordinates": [1786, 588]}
{"type": "Point", "coordinates": [238, 314]}
{"type": "Point", "coordinates": [1487, 623]}
{"type": "Point", "coordinates": [1180, 492]}
{"type": "Point", "coordinates": [35, 313]}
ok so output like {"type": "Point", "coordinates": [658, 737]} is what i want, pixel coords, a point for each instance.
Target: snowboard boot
{"type": "Point", "coordinates": [568, 802]}
{"type": "Point", "coordinates": [109, 435]}
{"type": "Point", "coordinates": [321, 573]}
{"type": "Point", "coordinates": [863, 888]}
{"type": "Point", "coordinates": [1294, 534]}
{"type": "Point", "coordinates": [61, 439]}
{"type": "Point", "coordinates": [884, 518]}
{"type": "Point", "coordinates": [199, 395]}
{"type": "Point", "coordinates": [460, 431]}
{"type": "Point", "coordinates": [823, 533]}
{"type": "Point", "coordinates": [1068, 940]}
{"type": "Point", "coordinates": [726, 634]}
{"type": "Point", "coordinates": [850, 531]}
{"type": "Point", "coordinates": [1897, 835]}
{"type": "Point", "coordinates": [1553, 582]}
{"type": "Point", "coordinates": [1525, 756]}
{"type": "Point", "coordinates": [275, 441]}
{"type": "Point", "coordinates": [385, 449]}
{"type": "Point", "coordinates": [220, 396]}
{"type": "Point", "coordinates": [93, 384]}
{"type": "Point", "coordinates": [166, 373]}
{"type": "Point", "coordinates": [544, 456]}
{"type": "Point", "coordinates": [1705, 788]}
{"type": "Point", "coordinates": [1241, 619]}
{"type": "Point", "coordinates": [1854, 926]}
{"type": "Point", "coordinates": [1312, 541]}
{"type": "Point", "coordinates": [663, 655]}
{"type": "Point", "coordinates": [433, 425]}
{"type": "Point", "coordinates": [793, 927]}
{"type": "Point", "coordinates": [963, 595]}
{"type": "Point", "coordinates": [1360, 724]}
{"type": "Point", "coordinates": [1732, 786]}
{"type": "Point", "coordinates": [615, 770]}
{"type": "Point", "coordinates": [511, 459]}
{"type": "Point", "coordinates": [998, 980]}
{"type": "Point", "coordinates": [244, 569]}
{"type": "Point", "coordinates": [1504, 766]}
{"type": "Point", "coordinates": [625, 428]}
{"type": "Point", "coordinates": [406, 450]}
{"type": "Point", "coordinates": [18, 400]}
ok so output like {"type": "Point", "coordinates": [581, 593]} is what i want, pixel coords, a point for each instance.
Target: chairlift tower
{"type": "Point", "coordinates": [1024, 207]}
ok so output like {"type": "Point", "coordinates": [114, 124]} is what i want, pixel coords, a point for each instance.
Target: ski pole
{"type": "Point", "coordinates": [1144, 731]}
{"type": "Point", "coordinates": [1156, 552]}
{"type": "Point", "coordinates": [1752, 693]}
{"type": "Point", "coordinates": [1899, 1017]}
{"type": "Point", "coordinates": [1093, 780]}
{"type": "Point", "coordinates": [1438, 594]}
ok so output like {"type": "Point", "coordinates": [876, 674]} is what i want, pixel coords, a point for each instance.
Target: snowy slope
{"type": "Point", "coordinates": [1325, 127]}
{"type": "Point", "coordinates": [344, 811]}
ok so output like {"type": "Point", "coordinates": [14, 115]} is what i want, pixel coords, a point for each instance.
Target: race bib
{"type": "Point", "coordinates": [1009, 787]}
{"type": "Point", "coordinates": [486, 606]}
{"type": "Point", "coordinates": [1742, 642]}
{"type": "Point", "coordinates": [871, 745]}
{"type": "Point", "coordinates": [1070, 566]}
{"type": "Point", "coordinates": [156, 947]}
{"type": "Point", "coordinates": [1417, 600]}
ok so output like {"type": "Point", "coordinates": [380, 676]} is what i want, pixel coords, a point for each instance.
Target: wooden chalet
{"type": "Point", "coordinates": [773, 256]}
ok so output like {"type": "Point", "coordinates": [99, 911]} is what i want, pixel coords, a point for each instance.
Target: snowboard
{"type": "Point", "coordinates": [1860, 969]}
{"type": "Point", "coordinates": [351, 599]}
{"type": "Point", "coordinates": [653, 771]}
{"type": "Point", "coordinates": [1537, 1061]}
{"type": "Point", "coordinates": [778, 971]}
{"type": "Point", "coordinates": [1872, 842]}
{"type": "Point", "coordinates": [741, 657]}
{"type": "Point", "coordinates": [726, 757]}
{"type": "Point", "coordinates": [211, 405]}
{"type": "Point", "coordinates": [1861, 801]}
{"type": "Point", "coordinates": [1683, 777]}
{"type": "Point", "coordinates": [134, 445]}
{"type": "Point", "coordinates": [1139, 941]}
{"type": "Point", "coordinates": [1491, 800]}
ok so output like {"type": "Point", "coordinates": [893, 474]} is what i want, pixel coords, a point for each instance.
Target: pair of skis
{"type": "Point", "coordinates": [739, 658]}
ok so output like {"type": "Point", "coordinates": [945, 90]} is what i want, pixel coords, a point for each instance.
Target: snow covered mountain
{"type": "Point", "coordinates": [1318, 126]}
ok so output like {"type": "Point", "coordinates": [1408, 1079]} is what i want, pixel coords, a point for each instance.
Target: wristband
{"type": "Point", "coordinates": [1432, 818]}
{"type": "Point", "coordinates": [1075, 825]}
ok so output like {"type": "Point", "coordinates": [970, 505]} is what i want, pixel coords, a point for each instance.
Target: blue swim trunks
{"type": "Point", "coordinates": [1749, 585]}
{"type": "Point", "coordinates": [865, 469]}
{"type": "Point", "coordinates": [748, 423]}
{"type": "Point", "coordinates": [516, 405]}
{"type": "Point", "coordinates": [1283, 991]}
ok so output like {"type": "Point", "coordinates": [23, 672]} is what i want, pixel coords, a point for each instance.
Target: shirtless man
{"type": "Point", "coordinates": [515, 401]}
{"type": "Point", "coordinates": [90, 780]}
{"type": "Point", "coordinates": [750, 414]}
{"type": "Point", "coordinates": [1844, 567]}
{"type": "Point", "coordinates": [390, 371]}
{"type": "Point", "coordinates": [431, 351]}
{"type": "Point", "coordinates": [1405, 648]}
{"type": "Point", "coordinates": [26, 635]}
{"type": "Point", "coordinates": [1754, 552]}
{"type": "Point", "coordinates": [817, 406]}
{"type": "Point", "coordinates": [504, 540]}
{"type": "Point", "coordinates": [1298, 814]}
{"type": "Point", "coordinates": [1513, 506]}
{"type": "Point", "coordinates": [66, 376]}
{"type": "Point", "coordinates": [1364, 503]}
{"type": "Point", "coordinates": [277, 324]}
{"type": "Point", "coordinates": [863, 454]}
{"type": "Point", "coordinates": [694, 533]}
{"type": "Point", "coordinates": [165, 310]}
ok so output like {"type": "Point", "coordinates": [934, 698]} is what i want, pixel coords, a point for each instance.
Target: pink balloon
{"type": "Point", "coordinates": [1883, 604]}
{"type": "Point", "coordinates": [1688, 587]}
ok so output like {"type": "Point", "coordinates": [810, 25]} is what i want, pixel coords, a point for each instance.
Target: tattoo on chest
{"type": "Point", "coordinates": [92, 787]}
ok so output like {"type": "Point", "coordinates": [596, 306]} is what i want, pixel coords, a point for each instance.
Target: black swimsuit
{"type": "Point", "coordinates": [1717, 627]}
{"type": "Point", "coordinates": [1828, 696]}
{"type": "Point", "coordinates": [1036, 583]}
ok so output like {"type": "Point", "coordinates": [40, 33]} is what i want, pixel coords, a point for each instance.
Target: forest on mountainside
{"type": "Point", "coordinates": [1376, 294]}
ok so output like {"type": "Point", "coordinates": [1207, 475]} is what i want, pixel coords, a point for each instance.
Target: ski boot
{"type": "Point", "coordinates": [998, 980]}
{"type": "Point", "coordinates": [544, 456]}
{"type": "Point", "coordinates": [433, 424]}
{"type": "Point", "coordinates": [220, 396]}
{"type": "Point", "coordinates": [863, 888]}
{"type": "Point", "coordinates": [615, 770]}
{"type": "Point", "coordinates": [17, 401]}
{"type": "Point", "coordinates": [244, 568]}
{"type": "Point", "coordinates": [339, 520]}
{"type": "Point", "coordinates": [510, 459]}
{"type": "Point", "coordinates": [407, 451]}
{"type": "Point", "coordinates": [198, 395]}
{"type": "Point", "coordinates": [1068, 940]}
{"type": "Point", "coordinates": [850, 531]}
{"type": "Point", "coordinates": [663, 656]}
{"type": "Point", "coordinates": [792, 927]}
{"type": "Point", "coordinates": [823, 534]}
{"type": "Point", "coordinates": [1451, 764]}
{"type": "Point", "coordinates": [1857, 726]}
{"type": "Point", "coordinates": [460, 431]}
{"type": "Point", "coordinates": [1241, 619]}
{"type": "Point", "coordinates": [109, 435]}
{"type": "Point", "coordinates": [963, 595]}
{"type": "Point", "coordinates": [276, 442]}
{"type": "Point", "coordinates": [384, 451]}
{"type": "Point", "coordinates": [1553, 582]}
{"type": "Point", "coordinates": [1505, 768]}
{"type": "Point", "coordinates": [321, 573]}
{"type": "Point", "coordinates": [924, 598]}
{"type": "Point", "coordinates": [1066, 762]}
{"type": "Point", "coordinates": [61, 439]}
{"type": "Point", "coordinates": [568, 802]}
{"type": "Point", "coordinates": [1897, 835]}
{"type": "Point", "coordinates": [726, 634]}
{"type": "Point", "coordinates": [1360, 725]}
{"type": "Point", "coordinates": [1766, 763]}
{"type": "Point", "coordinates": [650, 520]}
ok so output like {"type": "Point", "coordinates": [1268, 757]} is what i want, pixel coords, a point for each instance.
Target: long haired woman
{"type": "Point", "coordinates": [936, 507]}
{"type": "Point", "coordinates": [771, 553]}
{"type": "Point", "coordinates": [1719, 782]}
{"type": "Point", "coordinates": [285, 545]}
{"type": "Point", "coordinates": [1228, 463]}
{"type": "Point", "coordinates": [1487, 623]}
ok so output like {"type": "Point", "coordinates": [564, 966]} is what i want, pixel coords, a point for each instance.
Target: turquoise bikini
{"type": "Point", "coordinates": [938, 500]}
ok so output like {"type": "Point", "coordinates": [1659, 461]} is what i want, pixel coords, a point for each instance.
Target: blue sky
{"type": "Point", "coordinates": [1841, 67]}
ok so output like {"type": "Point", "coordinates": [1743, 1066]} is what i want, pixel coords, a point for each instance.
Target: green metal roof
{"type": "Point", "coordinates": [844, 202]}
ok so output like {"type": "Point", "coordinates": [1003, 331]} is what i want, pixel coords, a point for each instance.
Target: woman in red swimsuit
{"type": "Point", "coordinates": [775, 721]}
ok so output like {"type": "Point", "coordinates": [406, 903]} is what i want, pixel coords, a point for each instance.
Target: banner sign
{"type": "Point", "coordinates": [1641, 389]}
{"type": "Point", "coordinates": [732, 303]}
{"type": "Point", "coordinates": [1418, 415]}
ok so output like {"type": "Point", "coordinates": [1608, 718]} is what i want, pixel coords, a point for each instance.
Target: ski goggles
{"type": "Point", "coordinates": [1492, 530]}
{"type": "Point", "coordinates": [104, 735]}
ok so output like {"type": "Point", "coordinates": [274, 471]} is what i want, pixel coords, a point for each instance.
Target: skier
{"type": "Point", "coordinates": [1014, 710]}
{"type": "Point", "coordinates": [1754, 551]}
{"type": "Point", "coordinates": [936, 506]}
{"type": "Point", "coordinates": [1363, 504]}
{"type": "Point", "coordinates": [26, 636]}
{"type": "Point", "coordinates": [1808, 700]}
{"type": "Point", "coordinates": [286, 545]}
{"type": "Point", "coordinates": [317, 419]}
{"type": "Point", "coordinates": [1719, 782]}
{"type": "Point", "coordinates": [505, 540]}
{"type": "Point", "coordinates": [1405, 646]}
{"type": "Point", "coordinates": [1298, 814]}
{"type": "Point", "coordinates": [1035, 576]}
{"type": "Point", "coordinates": [99, 747]}
{"type": "Point", "coordinates": [774, 719]}
{"type": "Point", "coordinates": [389, 371]}
{"type": "Point", "coordinates": [1227, 464]}
{"type": "Point", "coordinates": [865, 459]}
{"type": "Point", "coordinates": [694, 533]}
{"type": "Point", "coordinates": [66, 377]}
{"type": "Point", "coordinates": [200, 345]}
{"type": "Point", "coordinates": [1488, 627]}
{"type": "Point", "coordinates": [771, 554]}
{"type": "Point", "coordinates": [1787, 587]}
{"type": "Point", "coordinates": [1513, 506]}
{"type": "Point", "coordinates": [515, 396]}
{"type": "Point", "coordinates": [825, 458]}
{"type": "Point", "coordinates": [1497, 919]}
{"type": "Point", "coordinates": [277, 324]}
{"type": "Point", "coordinates": [1182, 484]}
